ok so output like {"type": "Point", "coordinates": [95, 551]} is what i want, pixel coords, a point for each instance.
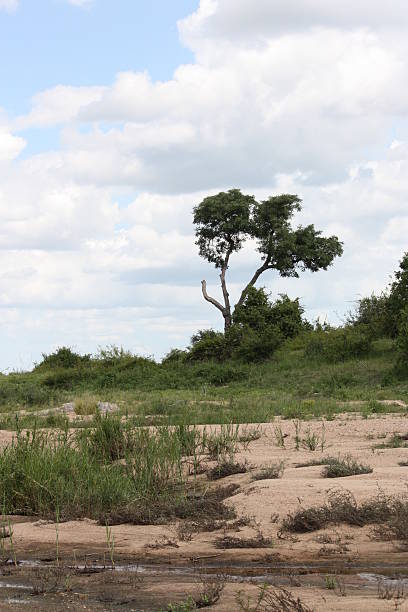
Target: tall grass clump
{"type": "Point", "coordinates": [79, 475]}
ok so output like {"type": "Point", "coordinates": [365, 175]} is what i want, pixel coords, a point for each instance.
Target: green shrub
{"type": "Point", "coordinates": [174, 356]}
{"type": "Point", "coordinates": [342, 467]}
{"type": "Point", "coordinates": [62, 378]}
{"type": "Point", "coordinates": [398, 297]}
{"type": "Point", "coordinates": [402, 342]}
{"type": "Point", "coordinates": [374, 313]}
{"type": "Point", "coordinates": [338, 344]}
{"type": "Point", "coordinates": [63, 357]}
{"type": "Point", "coordinates": [206, 345]}
{"type": "Point", "coordinates": [258, 346]}
{"type": "Point", "coordinates": [259, 313]}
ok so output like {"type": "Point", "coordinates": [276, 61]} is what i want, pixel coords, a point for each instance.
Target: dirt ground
{"type": "Point", "coordinates": [166, 563]}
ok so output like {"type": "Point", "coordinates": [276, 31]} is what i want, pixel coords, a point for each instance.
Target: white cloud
{"type": "Point", "coordinates": [96, 240]}
{"type": "Point", "coordinates": [243, 21]}
{"type": "Point", "coordinates": [9, 5]}
{"type": "Point", "coordinates": [10, 146]}
{"type": "Point", "coordinates": [57, 105]}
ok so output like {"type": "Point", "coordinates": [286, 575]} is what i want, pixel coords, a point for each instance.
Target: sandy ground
{"type": "Point", "coordinates": [299, 563]}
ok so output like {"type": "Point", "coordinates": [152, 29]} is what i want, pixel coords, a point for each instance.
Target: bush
{"type": "Point", "coordinates": [258, 346]}
{"type": "Point", "coordinates": [259, 313]}
{"type": "Point", "coordinates": [174, 356]}
{"type": "Point", "coordinates": [398, 298]}
{"type": "Point", "coordinates": [63, 357]}
{"type": "Point", "coordinates": [402, 341]}
{"type": "Point", "coordinates": [338, 344]}
{"type": "Point", "coordinates": [206, 345]}
{"type": "Point", "coordinates": [374, 313]}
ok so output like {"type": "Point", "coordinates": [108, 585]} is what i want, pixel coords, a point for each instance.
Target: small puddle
{"type": "Point", "coordinates": [6, 585]}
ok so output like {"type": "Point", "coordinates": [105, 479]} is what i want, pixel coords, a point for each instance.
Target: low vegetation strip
{"type": "Point", "coordinates": [111, 472]}
{"type": "Point", "coordinates": [389, 513]}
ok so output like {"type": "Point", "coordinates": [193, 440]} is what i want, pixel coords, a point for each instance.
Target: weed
{"type": "Point", "coordinates": [226, 468]}
{"type": "Point", "coordinates": [341, 507]}
{"type": "Point", "coordinates": [396, 441]}
{"type": "Point", "coordinates": [259, 541]}
{"type": "Point", "coordinates": [342, 467]}
{"type": "Point", "coordinates": [86, 404]}
{"type": "Point", "coordinates": [50, 580]}
{"type": "Point", "coordinates": [250, 434]}
{"type": "Point", "coordinates": [272, 471]}
{"type": "Point", "coordinates": [279, 436]}
{"type": "Point", "coordinates": [391, 589]}
{"type": "Point", "coordinates": [270, 599]}
{"type": "Point", "coordinates": [209, 592]}
{"type": "Point", "coordinates": [182, 606]}
{"type": "Point", "coordinates": [110, 544]}
{"type": "Point", "coordinates": [222, 444]}
{"type": "Point", "coordinates": [312, 441]}
{"type": "Point", "coordinates": [298, 427]}
{"type": "Point", "coordinates": [330, 583]}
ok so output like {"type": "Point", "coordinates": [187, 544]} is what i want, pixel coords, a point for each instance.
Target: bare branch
{"type": "Point", "coordinates": [209, 298]}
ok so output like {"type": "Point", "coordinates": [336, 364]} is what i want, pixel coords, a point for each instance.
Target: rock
{"type": "Point", "coordinates": [107, 407]}
{"type": "Point", "coordinates": [68, 408]}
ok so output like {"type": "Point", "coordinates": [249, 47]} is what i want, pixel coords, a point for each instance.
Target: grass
{"type": "Point", "coordinates": [65, 475]}
{"type": "Point", "coordinates": [226, 468]}
{"type": "Point", "coordinates": [346, 466]}
{"type": "Point", "coordinates": [271, 599]}
{"type": "Point", "coordinates": [289, 385]}
{"type": "Point", "coordinates": [258, 541]}
{"type": "Point", "coordinates": [390, 513]}
{"type": "Point", "coordinates": [395, 441]}
{"type": "Point", "coordinates": [272, 471]}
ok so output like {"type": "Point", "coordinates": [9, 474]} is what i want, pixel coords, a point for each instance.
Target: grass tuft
{"type": "Point", "coordinates": [272, 471]}
{"type": "Point", "coordinates": [388, 511]}
{"type": "Point", "coordinates": [342, 467]}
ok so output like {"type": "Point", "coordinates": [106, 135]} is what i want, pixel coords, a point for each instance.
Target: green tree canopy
{"type": "Point", "coordinates": [225, 221]}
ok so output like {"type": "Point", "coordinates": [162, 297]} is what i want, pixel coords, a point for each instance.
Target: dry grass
{"type": "Point", "coordinates": [226, 468]}
{"type": "Point", "coordinates": [388, 511]}
{"type": "Point", "coordinates": [272, 471]}
{"type": "Point", "coordinates": [259, 541]}
{"type": "Point", "coordinates": [270, 599]}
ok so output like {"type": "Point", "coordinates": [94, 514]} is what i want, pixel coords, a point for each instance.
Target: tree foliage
{"type": "Point", "coordinates": [225, 221]}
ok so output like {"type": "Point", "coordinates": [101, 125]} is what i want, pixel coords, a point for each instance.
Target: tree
{"type": "Point", "coordinates": [223, 223]}
{"type": "Point", "coordinates": [398, 297]}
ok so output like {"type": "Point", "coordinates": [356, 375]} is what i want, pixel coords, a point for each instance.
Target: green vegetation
{"type": "Point", "coordinates": [226, 220]}
{"type": "Point", "coordinates": [269, 362]}
{"type": "Point", "coordinates": [179, 392]}
{"type": "Point", "coordinates": [346, 466]}
{"type": "Point", "coordinates": [275, 470]}
{"type": "Point", "coordinates": [58, 474]}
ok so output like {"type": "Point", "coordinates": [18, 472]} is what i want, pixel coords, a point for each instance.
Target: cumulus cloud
{"type": "Point", "coordinates": [246, 22]}
{"type": "Point", "coordinates": [10, 146]}
{"type": "Point", "coordinates": [302, 97]}
{"type": "Point", "coordinates": [57, 105]}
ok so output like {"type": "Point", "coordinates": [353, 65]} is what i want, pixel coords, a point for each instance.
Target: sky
{"type": "Point", "coordinates": [116, 118]}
